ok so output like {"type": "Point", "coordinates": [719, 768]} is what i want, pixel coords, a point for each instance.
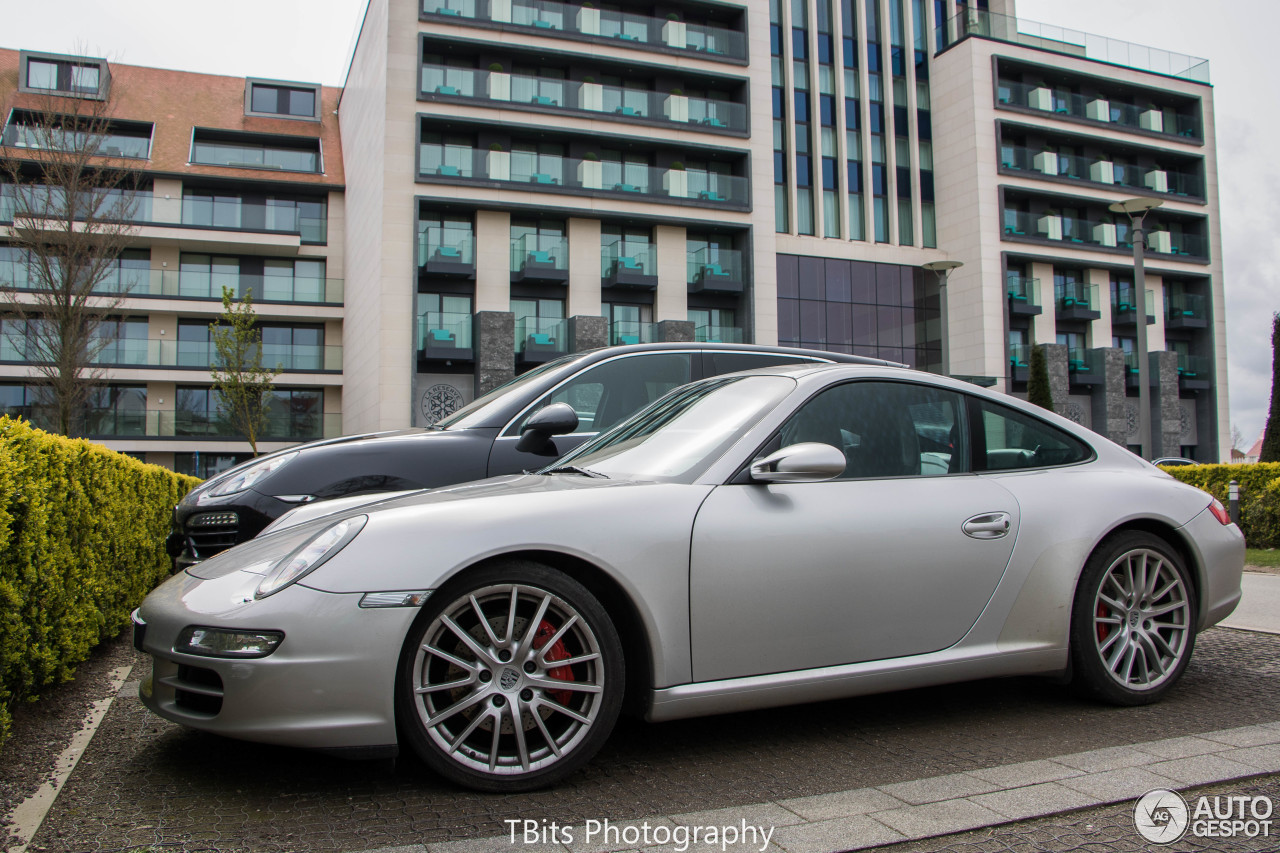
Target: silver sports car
{"type": "Point", "coordinates": [766, 538]}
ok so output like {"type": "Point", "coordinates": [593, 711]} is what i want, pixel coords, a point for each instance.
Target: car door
{"type": "Point", "coordinates": [897, 557]}
{"type": "Point", "coordinates": [604, 394]}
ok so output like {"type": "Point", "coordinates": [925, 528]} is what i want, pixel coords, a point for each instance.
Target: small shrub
{"type": "Point", "coordinates": [1259, 495]}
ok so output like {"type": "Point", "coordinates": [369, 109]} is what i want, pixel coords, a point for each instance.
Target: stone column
{"type": "Point", "coordinates": [1109, 416]}
{"type": "Point", "coordinates": [588, 332]}
{"type": "Point", "coordinates": [1166, 412]}
{"type": "Point", "coordinates": [1055, 356]}
{"type": "Point", "coordinates": [494, 345]}
{"type": "Point", "coordinates": [680, 331]}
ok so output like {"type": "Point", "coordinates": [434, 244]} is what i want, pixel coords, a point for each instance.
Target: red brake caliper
{"type": "Point", "coordinates": [1102, 629]}
{"type": "Point", "coordinates": [558, 652]}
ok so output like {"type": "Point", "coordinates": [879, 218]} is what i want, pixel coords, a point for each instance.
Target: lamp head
{"type": "Point", "coordinates": [942, 267]}
{"type": "Point", "coordinates": [1133, 206]}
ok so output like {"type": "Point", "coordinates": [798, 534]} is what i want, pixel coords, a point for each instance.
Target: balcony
{"type": "Point", "coordinates": [628, 265]}
{"type": "Point", "coordinates": [1091, 108]}
{"type": "Point", "coordinates": [1194, 372]}
{"type": "Point", "coordinates": [194, 355]}
{"type": "Point", "coordinates": [1103, 234]}
{"type": "Point", "coordinates": [445, 336]}
{"type": "Point", "coordinates": [718, 334]}
{"type": "Point", "coordinates": [540, 259]}
{"type": "Point", "coordinates": [293, 427]}
{"type": "Point", "coordinates": [1076, 301]}
{"type": "Point", "coordinates": [40, 199]}
{"type": "Point", "coordinates": [990, 25]}
{"type": "Point", "coordinates": [1085, 366]}
{"type": "Point", "coordinates": [1024, 295]}
{"type": "Point", "coordinates": [631, 332]}
{"type": "Point", "coordinates": [1178, 244]}
{"type": "Point", "coordinates": [173, 284]}
{"type": "Point", "coordinates": [1124, 306]}
{"type": "Point", "coordinates": [446, 251]}
{"type": "Point", "coordinates": [309, 220]}
{"type": "Point", "coordinates": [593, 99]}
{"type": "Point", "coordinates": [541, 339]}
{"type": "Point", "coordinates": [556, 174]}
{"type": "Point", "coordinates": [715, 270]}
{"type": "Point", "coordinates": [1185, 311]}
{"type": "Point", "coordinates": [627, 29]}
{"type": "Point", "coordinates": [1100, 170]}
{"type": "Point", "coordinates": [1019, 361]}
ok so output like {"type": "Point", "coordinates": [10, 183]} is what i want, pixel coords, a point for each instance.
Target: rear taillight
{"type": "Point", "coordinates": [1219, 512]}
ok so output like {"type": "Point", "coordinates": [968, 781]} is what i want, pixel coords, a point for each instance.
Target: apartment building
{"type": "Point", "coordinates": [240, 186]}
{"type": "Point", "coordinates": [538, 177]}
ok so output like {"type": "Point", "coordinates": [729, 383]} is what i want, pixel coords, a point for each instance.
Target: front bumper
{"type": "Point", "coordinates": [329, 685]}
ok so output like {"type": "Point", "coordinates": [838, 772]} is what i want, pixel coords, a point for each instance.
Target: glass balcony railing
{"type": "Point", "coordinates": [990, 25]}
{"type": "Point", "coordinates": [623, 332]}
{"type": "Point", "coordinates": [1193, 367]}
{"type": "Point", "coordinates": [197, 285]}
{"type": "Point", "coordinates": [548, 17]}
{"type": "Point", "coordinates": [623, 259]}
{"type": "Point", "coordinates": [1183, 307]}
{"type": "Point", "coordinates": [1019, 357]}
{"type": "Point", "coordinates": [541, 251]}
{"type": "Point", "coordinates": [710, 266]}
{"type": "Point", "coordinates": [1124, 300]}
{"type": "Point", "coordinates": [439, 330]}
{"type": "Point", "coordinates": [1085, 364]}
{"type": "Point", "coordinates": [1023, 290]}
{"type": "Point", "coordinates": [718, 334]}
{"type": "Point", "coordinates": [446, 245]}
{"type": "Point", "coordinates": [1074, 295]}
{"type": "Point", "coordinates": [1047, 99]}
{"type": "Point", "coordinates": [1173, 243]}
{"type": "Point", "coordinates": [277, 216]}
{"type": "Point", "coordinates": [144, 352]}
{"type": "Point", "coordinates": [305, 426]}
{"type": "Point", "coordinates": [1097, 233]}
{"type": "Point", "coordinates": [1100, 170]}
{"type": "Point", "coordinates": [542, 334]}
{"type": "Point", "coordinates": [43, 200]}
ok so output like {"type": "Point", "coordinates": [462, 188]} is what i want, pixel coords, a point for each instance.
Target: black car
{"type": "Point", "coordinates": [483, 439]}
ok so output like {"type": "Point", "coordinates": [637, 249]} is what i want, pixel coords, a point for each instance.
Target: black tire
{"type": "Point", "coordinates": [1133, 622]}
{"type": "Point", "coordinates": [465, 728]}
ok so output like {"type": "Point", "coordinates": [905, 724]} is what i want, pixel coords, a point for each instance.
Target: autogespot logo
{"type": "Point", "coordinates": [1161, 816]}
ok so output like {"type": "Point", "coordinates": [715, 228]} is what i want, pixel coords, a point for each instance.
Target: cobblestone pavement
{"type": "Point", "coordinates": [145, 782]}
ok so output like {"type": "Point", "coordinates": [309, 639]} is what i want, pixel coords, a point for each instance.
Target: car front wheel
{"type": "Point", "coordinates": [511, 679]}
{"type": "Point", "coordinates": [1133, 624]}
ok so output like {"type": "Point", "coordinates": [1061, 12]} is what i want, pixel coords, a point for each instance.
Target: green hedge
{"type": "Point", "coordinates": [81, 543]}
{"type": "Point", "coordinates": [1259, 495]}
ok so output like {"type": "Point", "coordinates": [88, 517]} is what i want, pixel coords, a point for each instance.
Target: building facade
{"type": "Point", "coordinates": [528, 178]}
{"type": "Point", "coordinates": [240, 186]}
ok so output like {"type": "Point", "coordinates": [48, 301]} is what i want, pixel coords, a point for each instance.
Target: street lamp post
{"type": "Point", "coordinates": [1137, 209]}
{"type": "Point", "coordinates": [943, 269]}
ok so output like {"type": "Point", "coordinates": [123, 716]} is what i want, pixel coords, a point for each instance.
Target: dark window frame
{"type": "Point", "coordinates": [253, 83]}
{"type": "Point", "coordinates": [65, 63]}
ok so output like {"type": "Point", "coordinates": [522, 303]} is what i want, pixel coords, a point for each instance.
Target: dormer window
{"type": "Point", "coordinates": [73, 76]}
{"type": "Point", "coordinates": [255, 151]}
{"type": "Point", "coordinates": [276, 99]}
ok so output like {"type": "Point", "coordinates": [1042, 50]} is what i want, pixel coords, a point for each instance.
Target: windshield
{"type": "Point", "coordinates": [473, 415]}
{"type": "Point", "coordinates": [680, 435]}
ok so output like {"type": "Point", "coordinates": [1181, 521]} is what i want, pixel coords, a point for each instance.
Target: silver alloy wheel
{"type": "Point", "coordinates": [1141, 619]}
{"type": "Point", "coordinates": [508, 679]}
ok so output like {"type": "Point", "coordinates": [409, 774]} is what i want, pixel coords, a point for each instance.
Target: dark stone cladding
{"type": "Point", "coordinates": [1109, 401]}
{"type": "Point", "coordinates": [1055, 356]}
{"type": "Point", "coordinates": [676, 331]}
{"type": "Point", "coordinates": [495, 349]}
{"type": "Point", "coordinates": [588, 332]}
{"type": "Point", "coordinates": [1166, 427]}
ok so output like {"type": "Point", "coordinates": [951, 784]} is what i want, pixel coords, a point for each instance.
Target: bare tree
{"type": "Point", "coordinates": [70, 203]}
{"type": "Point", "coordinates": [239, 378]}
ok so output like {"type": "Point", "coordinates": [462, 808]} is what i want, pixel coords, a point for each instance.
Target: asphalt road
{"type": "Point", "coordinates": [147, 783]}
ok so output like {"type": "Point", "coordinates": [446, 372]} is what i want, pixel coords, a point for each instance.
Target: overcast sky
{"type": "Point", "coordinates": [311, 40]}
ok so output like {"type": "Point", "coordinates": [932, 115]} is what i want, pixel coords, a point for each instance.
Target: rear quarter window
{"type": "Point", "coordinates": [1009, 440]}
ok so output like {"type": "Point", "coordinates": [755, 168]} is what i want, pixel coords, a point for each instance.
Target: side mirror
{"type": "Point", "coordinates": [799, 463]}
{"type": "Point", "coordinates": [556, 419]}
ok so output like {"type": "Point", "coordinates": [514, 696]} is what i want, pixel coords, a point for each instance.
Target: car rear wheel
{"type": "Point", "coordinates": [511, 679]}
{"type": "Point", "coordinates": [1133, 624]}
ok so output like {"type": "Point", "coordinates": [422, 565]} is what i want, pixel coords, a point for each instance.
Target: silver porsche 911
{"type": "Point", "coordinates": [780, 536]}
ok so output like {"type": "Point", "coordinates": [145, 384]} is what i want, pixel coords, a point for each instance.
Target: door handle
{"type": "Point", "coordinates": [989, 525]}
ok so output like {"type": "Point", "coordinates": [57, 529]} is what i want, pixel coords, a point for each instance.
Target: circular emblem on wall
{"type": "Point", "coordinates": [439, 401]}
{"type": "Point", "coordinates": [1131, 418]}
{"type": "Point", "coordinates": [1074, 412]}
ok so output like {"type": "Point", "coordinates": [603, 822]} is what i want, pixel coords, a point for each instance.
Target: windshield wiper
{"type": "Point", "coordinates": [574, 469]}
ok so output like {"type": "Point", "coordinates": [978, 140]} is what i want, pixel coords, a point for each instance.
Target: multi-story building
{"type": "Point", "coordinates": [527, 178]}
{"type": "Point", "coordinates": [530, 177]}
{"type": "Point", "coordinates": [241, 187]}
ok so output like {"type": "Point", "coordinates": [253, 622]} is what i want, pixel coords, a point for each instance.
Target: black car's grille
{"type": "Point", "coordinates": [197, 689]}
{"type": "Point", "coordinates": [211, 532]}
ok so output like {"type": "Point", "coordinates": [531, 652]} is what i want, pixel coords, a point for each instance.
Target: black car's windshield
{"type": "Point", "coordinates": [680, 435]}
{"type": "Point", "coordinates": [473, 414]}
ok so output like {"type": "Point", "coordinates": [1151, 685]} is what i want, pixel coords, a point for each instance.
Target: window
{"type": "Point", "coordinates": [539, 322]}
{"type": "Point", "coordinates": [286, 154]}
{"type": "Point", "coordinates": [94, 137]}
{"type": "Point", "coordinates": [886, 429]}
{"type": "Point", "coordinates": [540, 241]}
{"type": "Point", "coordinates": [444, 320]}
{"type": "Point", "coordinates": [292, 414]}
{"type": "Point", "coordinates": [67, 75]}
{"type": "Point", "coordinates": [606, 394]}
{"type": "Point", "coordinates": [1010, 440]}
{"type": "Point", "coordinates": [278, 99]}
{"type": "Point", "coordinates": [307, 217]}
{"type": "Point", "coordinates": [450, 155]}
{"type": "Point", "coordinates": [267, 279]}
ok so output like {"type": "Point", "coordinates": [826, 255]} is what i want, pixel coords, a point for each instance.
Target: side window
{"type": "Point", "coordinates": [886, 429]}
{"type": "Point", "coordinates": [718, 362]}
{"type": "Point", "coordinates": [1014, 440]}
{"type": "Point", "coordinates": [608, 393]}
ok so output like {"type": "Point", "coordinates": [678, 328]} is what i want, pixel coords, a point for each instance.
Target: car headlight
{"type": "Point", "coordinates": [247, 476]}
{"type": "Point", "coordinates": [311, 555]}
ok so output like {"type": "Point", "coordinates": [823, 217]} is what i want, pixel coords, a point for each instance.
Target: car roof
{"type": "Point", "coordinates": [844, 358]}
